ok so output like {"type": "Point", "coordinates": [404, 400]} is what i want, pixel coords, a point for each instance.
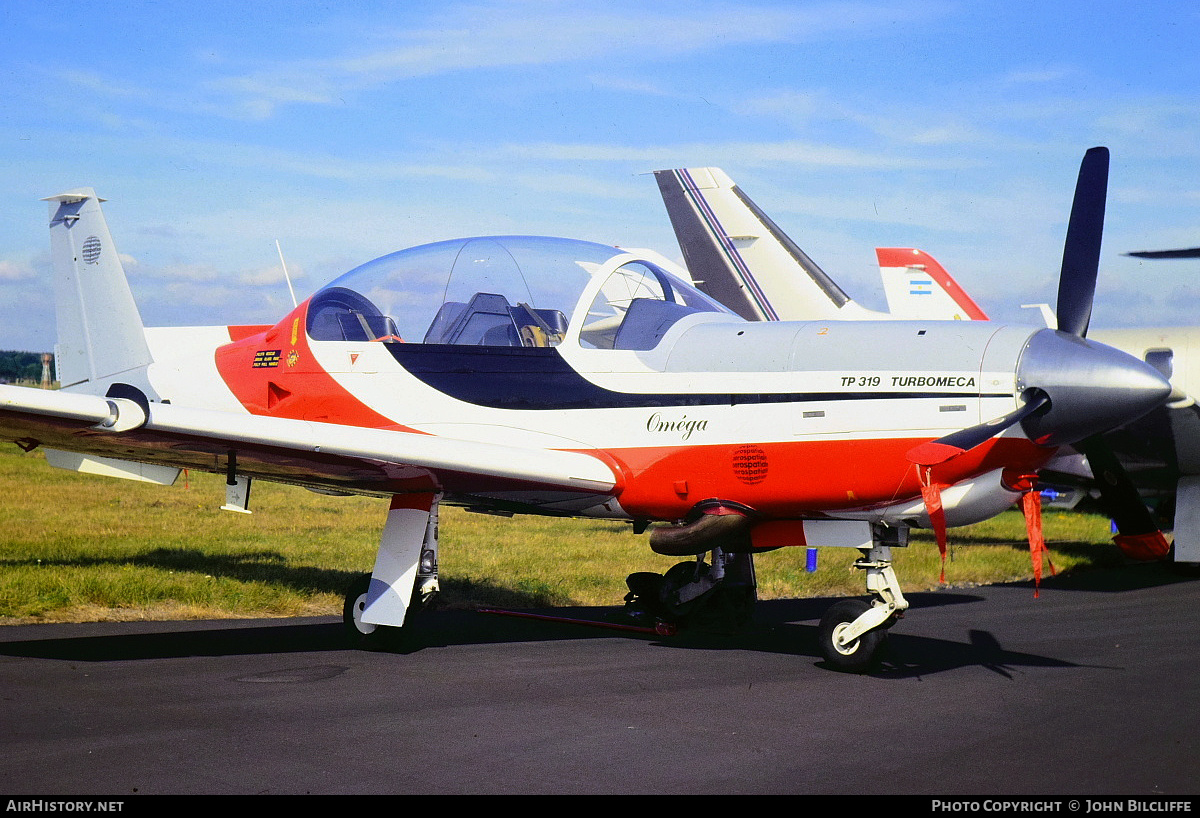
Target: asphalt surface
{"type": "Point", "coordinates": [1091, 689]}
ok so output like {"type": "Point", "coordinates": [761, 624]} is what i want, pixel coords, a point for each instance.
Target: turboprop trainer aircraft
{"type": "Point", "coordinates": [552, 376]}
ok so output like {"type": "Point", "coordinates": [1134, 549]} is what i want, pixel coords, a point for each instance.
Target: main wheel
{"type": "Point", "coordinates": [860, 654]}
{"type": "Point", "coordinates": [365, 635]}
{"type": "Point", "coordinates": [677, 577]}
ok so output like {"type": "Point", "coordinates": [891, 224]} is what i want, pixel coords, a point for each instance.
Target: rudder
{"type": "Point", "coordinates": [100, 332]}
{"type": "Point", "coordinates": [739, 256]}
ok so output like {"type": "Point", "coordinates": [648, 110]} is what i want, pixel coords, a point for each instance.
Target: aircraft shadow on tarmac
{"type": "Point", "coordinates": [779, 626]}
{"type": "Point", "coordinates": [246, 566]}
{"type": "Point", "coordinates": [903, 656]}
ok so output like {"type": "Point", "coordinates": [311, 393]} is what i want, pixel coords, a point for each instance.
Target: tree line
{"type": "Point", "coordinates": [16, 366]}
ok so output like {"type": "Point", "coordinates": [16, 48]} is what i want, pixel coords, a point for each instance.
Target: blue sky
{"type": "Point", "coordinates": [349, 130]}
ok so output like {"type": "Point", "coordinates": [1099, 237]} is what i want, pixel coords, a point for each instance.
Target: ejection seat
{"type": "Point", "coordinates": [489, 320]}
{"type": "Point", "coordinates": [647, 321]}
{"type": "Point", "coordinates": [339, 314]}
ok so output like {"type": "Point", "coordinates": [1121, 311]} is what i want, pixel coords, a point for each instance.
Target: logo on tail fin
{"type": "Point", "coordinates": [91, 250]}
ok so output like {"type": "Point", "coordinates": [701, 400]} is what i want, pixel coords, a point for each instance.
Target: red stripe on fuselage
{"type": "Point", "coordinates": [274, 372]}
{"type": "Point", "coordinates": [801, 478]}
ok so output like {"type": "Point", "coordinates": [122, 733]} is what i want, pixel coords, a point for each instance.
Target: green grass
{"type": "Point", "coordinates": [82, 548]}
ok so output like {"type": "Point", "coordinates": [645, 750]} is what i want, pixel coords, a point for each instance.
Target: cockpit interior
{"type": "Point", "coordinates": [508, 291]}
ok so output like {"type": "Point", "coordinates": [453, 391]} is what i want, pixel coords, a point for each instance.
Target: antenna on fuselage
{"type": "Point", "coordinates": [286, 277]}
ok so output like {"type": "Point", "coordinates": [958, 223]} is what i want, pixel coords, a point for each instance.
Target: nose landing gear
{"type": "Point", "coordinates": [853, 632]}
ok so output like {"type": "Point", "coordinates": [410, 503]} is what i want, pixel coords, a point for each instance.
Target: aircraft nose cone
{"type": "Point", "coordinates": [1092, 387]}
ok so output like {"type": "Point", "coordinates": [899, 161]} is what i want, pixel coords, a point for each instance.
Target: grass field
{"type": "Point", "coordinates": [82, 548]}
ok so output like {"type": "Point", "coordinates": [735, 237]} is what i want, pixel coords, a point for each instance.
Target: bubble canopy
{"type": "Point", "coordinates": [519, 291]}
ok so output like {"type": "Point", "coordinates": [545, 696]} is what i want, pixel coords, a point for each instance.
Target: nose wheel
{"type": "Point", "coordinates": [840, 647]}
{"type": "Point", "coordinates": [853, 632]}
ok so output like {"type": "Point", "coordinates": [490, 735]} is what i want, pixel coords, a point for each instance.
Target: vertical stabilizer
{"type": "Point", "coordinates": [100, 331]}
{"type": "Point", "coordinates": [737, 255]}
{"type": "Point", "coordinates": [918, 288]}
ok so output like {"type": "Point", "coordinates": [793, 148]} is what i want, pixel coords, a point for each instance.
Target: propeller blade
{"type": "Point", "coordinates": [1190, 252]}
{"type": "Point", "coordinates": [1139, 535]}
{"type": "Point", "coordinates": [956, 443]}
{"type": "Point", "coordinates": [1081, 251]}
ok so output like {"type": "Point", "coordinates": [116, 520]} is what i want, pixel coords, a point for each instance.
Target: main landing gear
{"type": "Point", "coordinates": [716, 597]}
{"type": "Point", "coordinates": [364, 635]}
{"type": "Point", "coordinates": [714, 591]}
{"type": "Point", "coordinates": [380, 605]}
{"type": "Point", "coordinates": [369, 636]}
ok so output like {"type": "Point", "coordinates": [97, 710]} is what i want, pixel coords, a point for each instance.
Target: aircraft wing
{"type": "Point", "coordinates": [309, 453]}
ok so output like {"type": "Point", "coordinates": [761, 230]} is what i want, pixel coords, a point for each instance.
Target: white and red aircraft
{"type": "Point", "coordinates": [552, 376]}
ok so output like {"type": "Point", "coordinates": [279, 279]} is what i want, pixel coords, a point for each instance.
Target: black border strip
{"type": "Point", "coordinates": [539, 378]}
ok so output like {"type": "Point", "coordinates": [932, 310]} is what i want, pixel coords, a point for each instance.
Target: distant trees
{"type": "Point", "coordinates": [20, 366]}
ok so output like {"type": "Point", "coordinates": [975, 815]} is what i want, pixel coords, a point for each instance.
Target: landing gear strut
{"type": "Point", "coordinates": [405, 579]}
{"type": "Point", "coordinates": [853, 632]}
{"type": "Point", "coordinates": [716, 597]}
{"type": "Point", "coordinates": [369, 636]}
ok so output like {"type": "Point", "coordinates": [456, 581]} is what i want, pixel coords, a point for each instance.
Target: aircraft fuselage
{"type": "Point", "coordinates": [787, 418]}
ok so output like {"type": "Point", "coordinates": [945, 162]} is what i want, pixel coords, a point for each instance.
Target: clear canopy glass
{"type": "Point", "coordinates": [519, 291]}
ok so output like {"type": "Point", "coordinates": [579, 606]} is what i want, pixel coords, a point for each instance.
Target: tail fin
{"type": "Point", "coordinates": [100, 331]}
{"type": "Point", "coordinates": [917, 287]}
{"type": "Point", "coordinates": [737, 255]}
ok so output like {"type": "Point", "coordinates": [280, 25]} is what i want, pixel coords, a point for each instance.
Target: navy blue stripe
{"type": "Point", "coordinates": [708, 265]}
{"type": "Point", "coordinates": [539, 378]}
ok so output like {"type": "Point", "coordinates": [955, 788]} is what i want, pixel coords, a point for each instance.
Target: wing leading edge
{"type": "Point", "coordinates": [305, 452]}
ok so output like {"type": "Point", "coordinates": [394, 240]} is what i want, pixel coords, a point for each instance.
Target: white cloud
{"type": "Point", "coordinates": [270, 276]}
{"type": "Point", "coordinates": [630, 85]}
{"type": "Point", "coordinates": [16, 271]}
{"type": "Point", "coordinates": [500, 34]}
{"type": "Point", "coordinates": [1037, 76]}
{"type": "Point", "coordinates": [94, 82]}
{"type": "Point", "coordinates": [196, 273]}
{"type": "Point", "coordinates": [796, 153]}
